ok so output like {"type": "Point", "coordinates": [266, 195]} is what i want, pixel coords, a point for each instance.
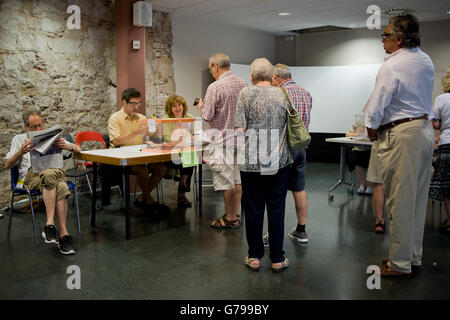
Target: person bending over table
{"type": "Point", "coordinates": [359, 159]}
{"type": "Point", "coordinates": [126, 128]}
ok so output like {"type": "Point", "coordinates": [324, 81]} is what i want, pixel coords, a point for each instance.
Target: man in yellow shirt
{"type": "Point", "coordinates": [126, 129]}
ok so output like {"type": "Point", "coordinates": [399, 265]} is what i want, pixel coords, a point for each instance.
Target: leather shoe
{"type": "Point", "coordinates": [157, 208]}
{"type": "Point", "coordinates": [386, 271]}
{"type": "Point", "coordinates": [141, 205]}
{"type": "Point", "coordinates": [415, 270]}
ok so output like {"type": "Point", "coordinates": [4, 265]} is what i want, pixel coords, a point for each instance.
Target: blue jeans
{"type": "Point", "coordinates": [259, 191]}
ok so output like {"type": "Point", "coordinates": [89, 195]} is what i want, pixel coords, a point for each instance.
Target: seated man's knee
{"type": "Point", "coordinates": [62, 191]}
{"type": "Point", "coordinates": [50, 178]}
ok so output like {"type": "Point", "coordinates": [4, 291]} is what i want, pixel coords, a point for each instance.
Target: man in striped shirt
{"type": "Point", "coordinates": [302, 101]}
{"type": "Point", "coordinates": [218, 109]}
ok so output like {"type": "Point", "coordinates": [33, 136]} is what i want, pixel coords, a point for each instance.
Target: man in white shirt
{"type": "Point", "coordinates": [51, 182]}
{"type": "Point", "coordinates": [397, 116]}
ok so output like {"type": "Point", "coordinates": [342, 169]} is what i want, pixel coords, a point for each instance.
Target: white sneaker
{"type": "Point", "coordinates": [361, 190]}
{"type": "Point", "coordinates": [369, 191]}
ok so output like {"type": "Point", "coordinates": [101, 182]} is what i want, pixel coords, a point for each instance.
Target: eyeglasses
{"type": "Point", "coordinates": [384, 35]}
{"type": "Point", "coordinates": [135, 104]}
{"type": "Point", "coordinates": [36, 126]}
{"type": "Point", "coordinates": [210, 69]}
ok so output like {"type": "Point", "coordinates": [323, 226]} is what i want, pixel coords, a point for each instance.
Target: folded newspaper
{"type": "Point", "coordinates": [44, 154]}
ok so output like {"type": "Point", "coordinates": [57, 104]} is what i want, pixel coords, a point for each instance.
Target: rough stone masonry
{"type": "Point", "coordinates": [70, 75]}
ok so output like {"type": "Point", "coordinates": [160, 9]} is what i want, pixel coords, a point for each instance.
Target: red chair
{"type": "Point", "coordinates": [88, 136]}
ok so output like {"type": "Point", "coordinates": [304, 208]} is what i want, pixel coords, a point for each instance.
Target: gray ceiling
{"type": "Point", "coordinates": [262, 14]}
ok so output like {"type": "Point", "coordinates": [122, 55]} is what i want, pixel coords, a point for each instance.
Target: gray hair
{"type": "Point", "coordinates": [29, 113]}
{"type": "Point", "coordinates": [408, 27]}
{"type": "Point", "coordinates": [261, 70]}
{"type": "Point", "coordinates": [446, 81]}
{"type": "Point", "coordinates": [221, 59]}
{"type": "Point", "coordinates": [282, 71]}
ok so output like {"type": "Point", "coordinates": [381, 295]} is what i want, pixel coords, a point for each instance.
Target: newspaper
{"type": "Point", "coordinates": [44, 154]}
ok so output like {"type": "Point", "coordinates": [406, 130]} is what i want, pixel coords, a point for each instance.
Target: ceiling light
{"type": "Point", "coordinates": [284, 14]}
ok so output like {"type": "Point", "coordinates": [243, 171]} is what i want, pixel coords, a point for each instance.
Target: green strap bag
{"type": "Point", "coordinates": [296, 134]}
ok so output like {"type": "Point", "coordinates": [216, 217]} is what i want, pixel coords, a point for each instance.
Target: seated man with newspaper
{"type": "Point", "coordinates": [37, 153]}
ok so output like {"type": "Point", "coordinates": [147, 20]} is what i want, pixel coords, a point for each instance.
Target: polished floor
{"type": "Point", "coordinates": [180, 257]}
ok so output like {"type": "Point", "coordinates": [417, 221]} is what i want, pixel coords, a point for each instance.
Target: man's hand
{"type": "Point", "coordinates": [142, 127]}
{"type": "Point", "coordinates": [26, 147]}
{"type": "Point", "coordinates": [199, 104]}
{"type": "Point", "coordinates": [61, 144]}
{"type": "Point", "coordinates": [372, 134]}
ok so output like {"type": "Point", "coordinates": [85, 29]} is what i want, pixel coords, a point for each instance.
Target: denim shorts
{"type": "Point", "coordinates": [297, 171]}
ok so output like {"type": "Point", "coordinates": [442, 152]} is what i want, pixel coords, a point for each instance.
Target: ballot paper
{"type": "Point", "coordinates": [44, 154]}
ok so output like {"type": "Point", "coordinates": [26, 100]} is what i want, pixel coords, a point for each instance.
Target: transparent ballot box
{"type": "Point", "coordinates": [171, 133]}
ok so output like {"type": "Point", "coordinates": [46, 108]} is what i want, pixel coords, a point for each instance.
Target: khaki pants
{"type": "Point", "coordinates": [48, 179]}
{"type": "Point", "coordinates": [374, 170]}
{"type": "Point", "coordinates": [405, 153]}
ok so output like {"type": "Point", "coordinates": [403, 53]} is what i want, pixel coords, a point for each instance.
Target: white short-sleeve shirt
{"type": "Point", "coordinates": [441, 112]}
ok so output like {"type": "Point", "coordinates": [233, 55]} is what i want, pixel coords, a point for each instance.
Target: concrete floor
{"type": "Point", "coordinates": [181, 257]}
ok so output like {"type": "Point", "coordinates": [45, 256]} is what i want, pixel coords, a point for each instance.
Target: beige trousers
{"type": "Point", "coordinates": [374, 170]}
{"type": "Point", "coordinates": [48, 179]}
{"type": "Point", "coordinates": [405, 153]}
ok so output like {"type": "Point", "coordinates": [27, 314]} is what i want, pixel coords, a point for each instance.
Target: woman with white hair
{"type": "Point", "coordinates": [440, 183]}
{"type": "Point", "coordinates": [261, 114]}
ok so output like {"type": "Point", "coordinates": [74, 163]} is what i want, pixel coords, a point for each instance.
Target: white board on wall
{"type": "Point", "coordinates": [338, 92]}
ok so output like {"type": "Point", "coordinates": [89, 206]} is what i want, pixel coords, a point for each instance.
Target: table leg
{"type": "Point", "coordinates": [94, 194]}
{"type": "Point", "coordinates": [341, 172]}
{"type": "Point", "coordinates": [126, 173]}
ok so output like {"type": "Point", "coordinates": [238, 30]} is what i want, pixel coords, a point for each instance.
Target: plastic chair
{"type": "Point", "coordinates": [74, 172]}
{"type": "Point", "coordinates": [88, 136]}
{"type": "Point", "coordinates": [33, 193]}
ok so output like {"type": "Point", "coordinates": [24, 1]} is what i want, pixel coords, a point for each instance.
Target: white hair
{"type": "Point", "coordinates": [261, 70]}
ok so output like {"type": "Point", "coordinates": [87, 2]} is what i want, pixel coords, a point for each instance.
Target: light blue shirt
{"type": "Point", "coordinates": [403, 88]}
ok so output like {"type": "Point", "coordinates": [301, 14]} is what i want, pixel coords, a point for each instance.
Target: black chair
{"type": "Point", "coordinates": [74, 172]}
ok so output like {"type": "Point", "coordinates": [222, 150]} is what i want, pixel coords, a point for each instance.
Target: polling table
{"type": "Point", "coordinates": [345, 143]}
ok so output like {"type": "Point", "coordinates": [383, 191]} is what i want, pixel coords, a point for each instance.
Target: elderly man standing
{"type": "Point", "coordinates": [218, 109]}
{"type": "Point", "coordinates": [302, 102]}
{"type": "Point", "coordinates": [51, 182]}
{"type": "Point", "coordinates": [397, 115]}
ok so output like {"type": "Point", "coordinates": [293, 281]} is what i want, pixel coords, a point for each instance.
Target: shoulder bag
{"type": "Point", "coordinates": [297, 136]}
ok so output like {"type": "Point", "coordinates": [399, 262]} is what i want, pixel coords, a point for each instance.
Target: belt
{"type": "Point", "coordinates": [399, 121]}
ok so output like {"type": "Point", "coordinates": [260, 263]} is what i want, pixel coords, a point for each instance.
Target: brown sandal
{"type": "Point", "coordinates": [224, 223]}
{"type": "Point", "coordinates": [184, 202]}
{"type": "Point", "coordinates": [379, 227]}
{"type": "Point", "coordinates": [238, 216]}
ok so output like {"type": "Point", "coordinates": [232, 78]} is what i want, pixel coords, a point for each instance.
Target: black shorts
{"type": "Point", "coordinates": [297, 171]}
{"type": "Point", "coordinates": [359, 158]}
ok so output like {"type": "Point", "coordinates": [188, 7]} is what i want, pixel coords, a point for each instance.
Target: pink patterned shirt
{"type": "Point", "coordinates": [219, 105]}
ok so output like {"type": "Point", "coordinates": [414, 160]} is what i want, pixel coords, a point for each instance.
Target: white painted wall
{"type": "Point", "coordinates": [195, 41]}
{"type": "Point", "coordinates": [363, 46]}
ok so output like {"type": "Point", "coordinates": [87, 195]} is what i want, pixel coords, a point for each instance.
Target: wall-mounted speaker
{"type": "Point", "coordinates": [142, 14]}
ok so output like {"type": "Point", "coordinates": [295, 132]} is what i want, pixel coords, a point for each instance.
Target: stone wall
{"type": "Point", "coordinates": [70, 75]}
